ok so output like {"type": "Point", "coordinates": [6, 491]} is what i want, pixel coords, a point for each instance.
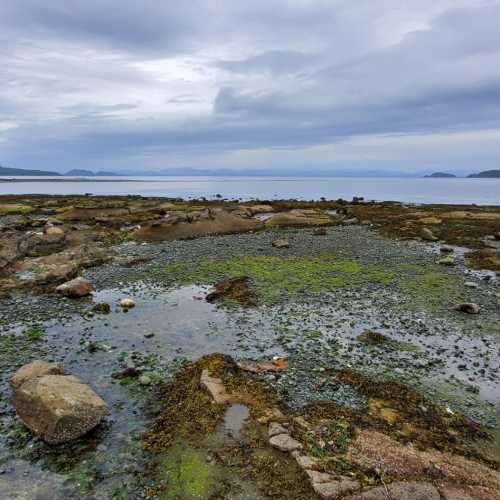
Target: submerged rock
{"type": "Point", "coordinates": [319, 231]}
{"type": "Point", "coordinates": [54, 406]}
{"type": "Point", "coordinates": [78, 287]}
{"type": "Point", "coordinates": [236, 289]}
{"type": "Point", "coordinates": [372, 337]}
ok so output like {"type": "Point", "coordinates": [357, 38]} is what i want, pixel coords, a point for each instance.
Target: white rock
{"type": "Point", "coordinates": [127, 303]}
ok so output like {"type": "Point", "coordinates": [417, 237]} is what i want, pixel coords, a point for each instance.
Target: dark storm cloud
{"type": "Point", "coordinates": [142, 83]}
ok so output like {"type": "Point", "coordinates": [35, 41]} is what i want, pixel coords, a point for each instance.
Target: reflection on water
{"type": "Point", "coordinates": [458, 191]}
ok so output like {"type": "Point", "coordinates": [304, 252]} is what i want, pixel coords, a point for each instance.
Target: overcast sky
{"type": "Point", "coordinates": [289, 84]}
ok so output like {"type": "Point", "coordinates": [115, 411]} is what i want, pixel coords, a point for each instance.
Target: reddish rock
{"type": "Point", "coordinates": [411, 490]}
{"type": "Point", "coordinates": [78, 287]}
{"type": "Point", "coordinates": [378, 451]}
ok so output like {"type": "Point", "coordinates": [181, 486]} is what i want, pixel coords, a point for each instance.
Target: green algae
{"type": "Point", "coordinates": [15, 209]}
{"type": "Point", "coordinates": [274, 277]}
{"type": "Point", "coordinates": [187, 473]}
{"type": "Point", "coordinates": [430, 289]}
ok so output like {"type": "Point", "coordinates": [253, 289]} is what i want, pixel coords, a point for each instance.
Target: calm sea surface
{"type": "Point", "coordinates": [466, 191]}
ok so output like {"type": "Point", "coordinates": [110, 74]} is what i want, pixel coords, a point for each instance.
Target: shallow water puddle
{"type": "Point", "coordinates": [235, 418]}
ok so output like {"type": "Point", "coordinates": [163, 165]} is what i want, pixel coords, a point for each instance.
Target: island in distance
{"type": "Point", "coordinates": [487, 174]}
{"type": "Point", "coordinates": [440, 175]}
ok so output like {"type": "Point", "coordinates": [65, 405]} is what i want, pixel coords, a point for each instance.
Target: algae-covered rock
{"type": "Point", "coordinates": [14, 209]}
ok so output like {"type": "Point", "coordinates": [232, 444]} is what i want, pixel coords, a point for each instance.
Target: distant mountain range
{"type": "Point", "coordinates": [4, 171]}
{"type": "Point", "coordinates": [188, 172]}
{"type": "Point", "coordinates": [88, 173]}
{"type": "Point", "coordinates": [20, 171]}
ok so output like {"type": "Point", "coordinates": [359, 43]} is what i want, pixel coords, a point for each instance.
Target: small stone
{"type": "Point", "coordinates": [127, 303]}
{"type": "Point", "coordinates": [285, 442]}
{"type": "Point", "coordinates": [469, 308]}
{"type": "Point", "coordinates": [471, 284]}
{"type": "Point", "coordinates": [447, 261]}
{"type": "Point", "coordinates": [282, 243]}
{"type": "Point", "coordinates": [350, 222]}
{"type": "Point", "coordinates": [102, 307]}
{"type": "Point", "coordinates": [53, 230]}
{"type": "Point", "coordinates": [78, 287]}
{"type": "Point", "coordinates": [145, 380]}
{"type": "Point", "coordinates": [319, 231]}
{"type": "Point", "coordinates": [275, 429]}
{"type": "Point", "coordinates": [446, 249]}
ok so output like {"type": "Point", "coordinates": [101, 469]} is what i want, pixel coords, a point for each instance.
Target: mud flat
{"type": "Point", "coordinates": [351, 343]}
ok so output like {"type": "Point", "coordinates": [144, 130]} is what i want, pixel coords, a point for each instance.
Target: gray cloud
{"type": "Point", "coordinates": [147, 84]}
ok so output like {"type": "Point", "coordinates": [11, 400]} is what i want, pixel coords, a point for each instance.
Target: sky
{"type": "Point", "coordinates": [271, 85]}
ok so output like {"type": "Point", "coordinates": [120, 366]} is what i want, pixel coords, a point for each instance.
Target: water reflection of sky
{"type": "Point", "coordinates": [466, 191]}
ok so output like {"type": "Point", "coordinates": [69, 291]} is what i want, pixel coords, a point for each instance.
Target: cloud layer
{"type": "Point", "coordinates": [309, 84]}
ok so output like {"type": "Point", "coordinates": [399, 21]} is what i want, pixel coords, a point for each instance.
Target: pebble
{"type": "Point", "coordinates": [127, 303]}
{"type": "Point", "coordinates": [145, 380]}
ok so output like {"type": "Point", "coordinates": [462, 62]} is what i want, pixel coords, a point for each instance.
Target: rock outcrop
{"type": "Point", "coordinates": [78, 287]}
{"type": "Point", "coordinates": [56, 407]}
{"type": "Point", "coordinates": [300, 218]}
{"type": "Point", "coordinates": [195, 224]}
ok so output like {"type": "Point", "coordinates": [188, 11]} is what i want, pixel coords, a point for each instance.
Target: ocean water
{"type": "Point", "coordinates": [449, 191]}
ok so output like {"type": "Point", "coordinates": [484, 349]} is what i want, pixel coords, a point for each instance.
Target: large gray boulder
{"type": "Point", "coordinates": [55, 407]}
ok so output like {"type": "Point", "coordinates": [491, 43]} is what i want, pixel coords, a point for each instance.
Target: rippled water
{"type": "Point", "coordinates": [450, 191]}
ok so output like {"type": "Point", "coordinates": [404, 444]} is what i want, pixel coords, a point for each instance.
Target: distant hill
{"type": "Point", "coordinates": [440, 175]}
{"type": "Point", "coordinates": [486, 174]}
{"type": "Point", "coordinates": [21, 171]}
{"type": "Point", "coordinates": [77, 172]}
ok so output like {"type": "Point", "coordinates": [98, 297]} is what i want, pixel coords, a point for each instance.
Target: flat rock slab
{"type": "Point", "coordinates": [275, 429]}
{"type": "Point", "coordinates": [214, 387]}
{"type": "Point", "coordinates": [285, 442]}
{"type": "Point", "coordinates": [58, 408]}
{"type": "Point", "coordinates": [335, 489]}
{"type": "Point", "coordinates": [411, 490]}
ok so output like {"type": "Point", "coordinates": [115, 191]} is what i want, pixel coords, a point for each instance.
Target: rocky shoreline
{"type": "Point", "coordinates": [298, 281]}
